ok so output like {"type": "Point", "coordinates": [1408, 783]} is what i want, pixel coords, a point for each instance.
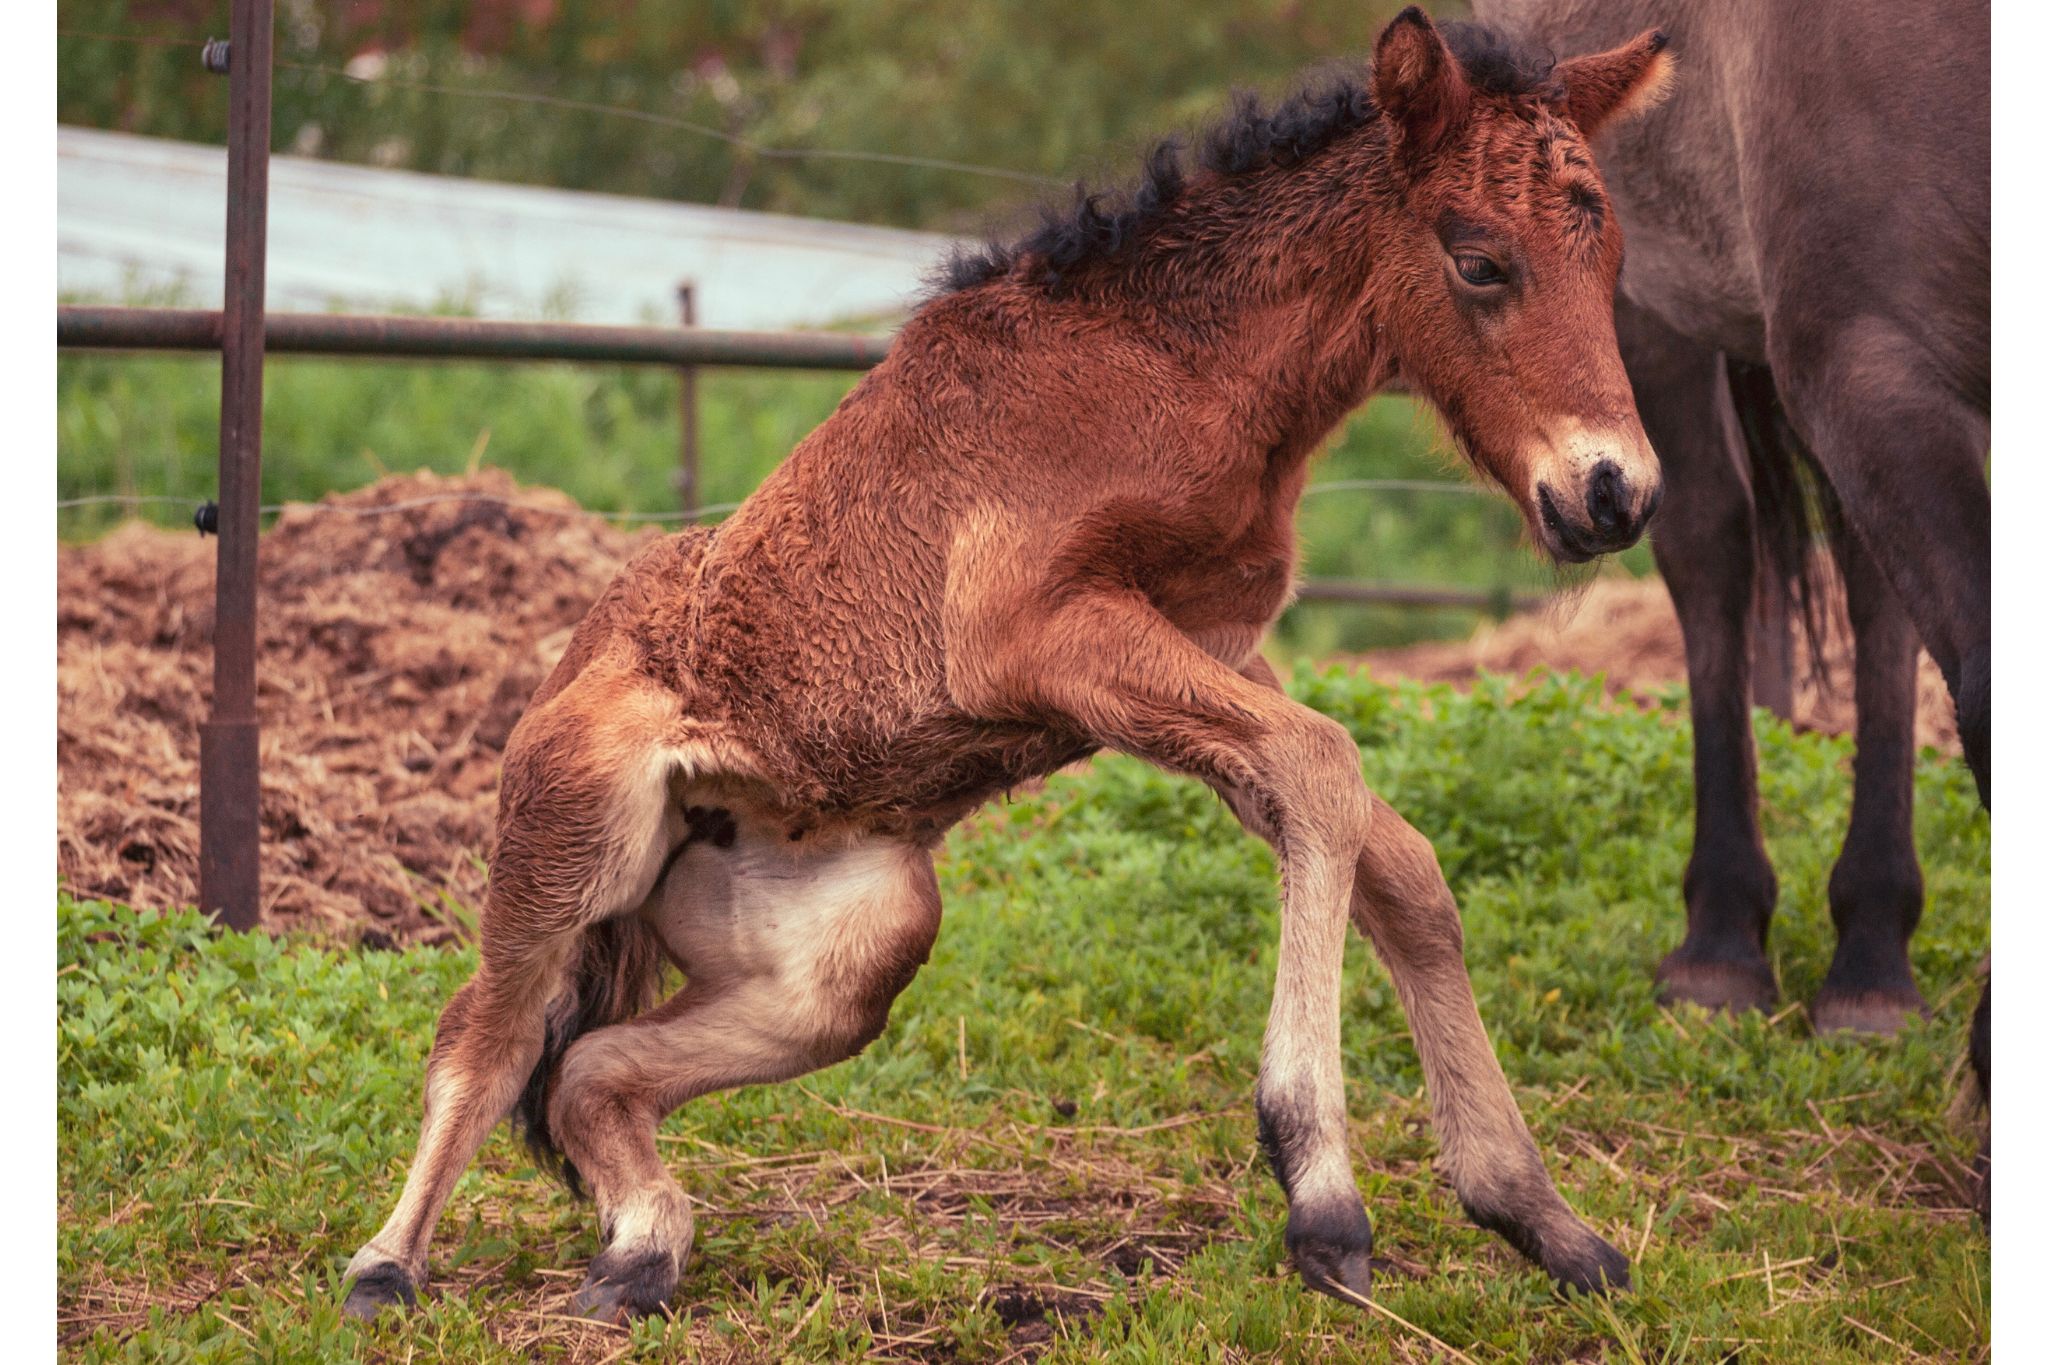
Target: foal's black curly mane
{"type": "Point", "coordinates": [1098, 224]}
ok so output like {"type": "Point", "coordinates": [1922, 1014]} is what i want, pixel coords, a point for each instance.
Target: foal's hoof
{"type": "Point", "coordinates": [1572, 1254]}
{"type": "Point", "coordinates": [1885, 1012]}
{"type": "Point", "coordinates": [380, 1287]}
{"type": "Point", "coordinates": [629, 1284]}
{"type": "Point", "coordinates": [1733, 985]}
{"type": "Point", "coordinates": [1333, 1252]}
{"type": "Point", "coordinates": [1593, 1267]}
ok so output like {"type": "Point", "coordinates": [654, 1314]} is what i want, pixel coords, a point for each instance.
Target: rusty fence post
{"type": "Point", "coordinates": [687, 491]}
{"type": "Point", "coordinates": [230, 792]}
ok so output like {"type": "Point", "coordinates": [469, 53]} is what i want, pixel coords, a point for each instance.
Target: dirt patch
{"type": "Point", "coordinates": [397, 649]}
{"type": "Point", "coordinates": [1034, 1318]}
{"type": "Point", "coordinates": [1626, 629]}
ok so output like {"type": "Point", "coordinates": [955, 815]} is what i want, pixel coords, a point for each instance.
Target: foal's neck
{"type": "Point", "coordinates": [1264, 284]}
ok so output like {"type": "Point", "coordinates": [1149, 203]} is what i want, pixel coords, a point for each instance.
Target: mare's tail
{"type": "Point", "coordinates": [1794, 501]}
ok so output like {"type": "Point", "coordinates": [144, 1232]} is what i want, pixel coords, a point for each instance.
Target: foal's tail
{"type": "Point", "coordinates": [1794, 501]}
{"type": "Point", "coordinates": [617, 975]}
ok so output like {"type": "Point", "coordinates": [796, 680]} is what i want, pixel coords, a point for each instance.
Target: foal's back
{"type": "Point", "coordinates": [808, 632]}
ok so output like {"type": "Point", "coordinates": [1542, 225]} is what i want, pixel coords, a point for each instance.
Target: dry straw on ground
{"type": "Point", "coordinates": [397, 649]}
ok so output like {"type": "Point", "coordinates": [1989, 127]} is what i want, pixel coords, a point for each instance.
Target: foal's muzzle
{"type": "Point", "coordinates": [1594, 488]}
{"type": "Point", "coordinates": [1605, 513]}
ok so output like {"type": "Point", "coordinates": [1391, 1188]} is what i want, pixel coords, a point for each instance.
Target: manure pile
{"type": "Point", "coordinates": [396, 650]}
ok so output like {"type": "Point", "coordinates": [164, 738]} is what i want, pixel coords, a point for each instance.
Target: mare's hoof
{"type": "Point", "coordinates": [631, 1284]}
{"type": "Point", "coordinates": [380, 1287]}
{"type": "Point", "coordinates": [1333, 1252]}
{"type": "Point", "coordinates": [1884, 1012]}
{"type": "Point", "coordinates": [1717, 984]}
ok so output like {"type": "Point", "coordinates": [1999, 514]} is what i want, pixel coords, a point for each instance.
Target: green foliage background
{"type": "Point", "coordinates": [1044, 87]}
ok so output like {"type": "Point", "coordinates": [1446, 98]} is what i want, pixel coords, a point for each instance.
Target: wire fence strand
{"type": "Point", "coordinates": [740, 142]}
{"type": "Point", "coordinates": [406, 505]}
{"type": "Point", "coordinates": [709, 510]}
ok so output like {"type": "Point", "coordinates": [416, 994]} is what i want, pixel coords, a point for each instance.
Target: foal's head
{"type": "Point", "coordinates": [1498, 269]}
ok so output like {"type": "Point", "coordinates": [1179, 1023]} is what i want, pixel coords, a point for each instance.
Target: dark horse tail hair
{"type": "Point", "coordinates": [1795, 504]}
{"type": "Point", "coordinates": [617, 974]}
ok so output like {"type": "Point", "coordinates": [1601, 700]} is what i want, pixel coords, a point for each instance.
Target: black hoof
{"type": "Point", "coordinates": [1595, 1268]}
{"type": "Point", "coordinates": [1332, 1251]}
{"type": "Point", "coordinates": [634, 1284]}
{"type": "Point", "coordinates": [1731, 984]}
{"type": "Point", "coordinates": [1572, 1254]}
{"type": "Point", "coordinates": [378, 1288]}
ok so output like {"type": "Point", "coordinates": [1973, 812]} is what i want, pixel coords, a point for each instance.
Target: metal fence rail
{"type": "Point", "coordinates": [439, 338]}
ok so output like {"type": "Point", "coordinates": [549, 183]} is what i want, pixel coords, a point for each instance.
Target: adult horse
{"type": "Point", "coordinates": [1809, 276]}
{"type": "Point", "coordinates": [1057, 518]}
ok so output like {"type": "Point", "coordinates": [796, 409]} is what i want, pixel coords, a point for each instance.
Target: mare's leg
{"type": "Point", "coordinates": [1980, 1064]}
{"type": "Point", "coordinates": [793, 953]}
{"type": "Point", "coordinates": [1875, 893]}
{"type": "Point", "coordinates": [583, 829]}
{"type": "Point", "coordinates": [1403, 906]}
{"type": "Point", "coordinates": [1905, 454]}
{"type": "Point", "coordinates": [1704, 540]}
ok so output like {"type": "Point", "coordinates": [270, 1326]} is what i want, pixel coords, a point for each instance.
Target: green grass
{"type": "Point", "coordinates": [609, 438]}
{"type": "Point", "coordinates": [1052, 1144]}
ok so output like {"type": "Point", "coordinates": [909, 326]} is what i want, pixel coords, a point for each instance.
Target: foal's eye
{"type": "Point", "coordinates": [1480, 270]}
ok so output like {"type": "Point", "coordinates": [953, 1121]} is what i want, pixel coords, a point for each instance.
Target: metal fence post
{"type": "Point", "coordinates": [230, 791]}
{"type": "Point", "coordinates": [686, 474]}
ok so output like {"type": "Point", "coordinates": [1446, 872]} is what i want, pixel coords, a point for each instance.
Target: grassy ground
{"type": "Point", "coordinates": [608, 437]}
{"type": "Point", "coordinates": [1050, 1150]}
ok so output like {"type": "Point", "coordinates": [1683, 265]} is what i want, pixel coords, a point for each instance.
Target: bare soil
{"type": "Point", "coordinates": [403, 627]}
{"type": "Point", "coordinates": [1625, 629]}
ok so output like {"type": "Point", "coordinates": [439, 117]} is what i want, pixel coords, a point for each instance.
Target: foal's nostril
{"type": "Point", "coordinates": [1607, 499]}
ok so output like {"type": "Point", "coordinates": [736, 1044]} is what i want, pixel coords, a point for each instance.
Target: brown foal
{"type": "Point", "coordinates": [1057, 518]}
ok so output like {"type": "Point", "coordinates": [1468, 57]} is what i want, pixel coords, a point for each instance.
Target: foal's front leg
{"type": "Point", "coordinates": [1117, 671]}
{"type": "Point", "coordinates": [1405, 907]}
{"type": "Point", "coordinates": [1402, 904]}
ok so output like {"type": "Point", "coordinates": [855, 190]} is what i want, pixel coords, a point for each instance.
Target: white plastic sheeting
{"type": "Point", "coordinates": [137, 217]}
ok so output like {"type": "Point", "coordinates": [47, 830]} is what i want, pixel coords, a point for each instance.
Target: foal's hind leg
{"type": "Point", "coordinates": [794, 954]}
{"type": "Point", "coordinates": [1875, 893]}
{"type": "Point", "coordinates": [487, 1042]}
{"type": "Point", "coordinates": [583, 828]}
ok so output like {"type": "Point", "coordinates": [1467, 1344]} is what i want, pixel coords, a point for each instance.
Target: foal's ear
{"type": "Point", "coordinates": [1609, 87]}
{"type": "Point", "coordinates": [1417, 83]}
